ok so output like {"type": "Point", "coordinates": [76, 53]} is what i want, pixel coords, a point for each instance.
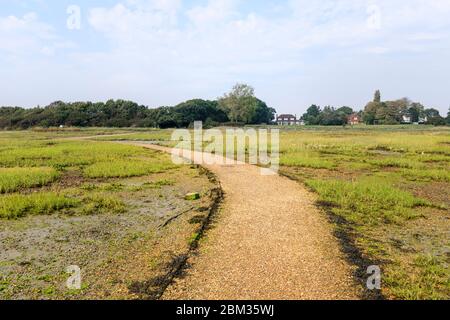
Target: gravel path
{"type": "Point", "coordinates": [270, 242]}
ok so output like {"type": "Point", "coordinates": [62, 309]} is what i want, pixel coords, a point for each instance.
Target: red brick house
{"type": "Point", "coordinates": [354, 119]}
{"type": "Point", "coordinates": [288, 120]}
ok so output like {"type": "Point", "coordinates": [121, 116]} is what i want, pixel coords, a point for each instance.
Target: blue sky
{"type": "Point", "coordinates": [161, 52]}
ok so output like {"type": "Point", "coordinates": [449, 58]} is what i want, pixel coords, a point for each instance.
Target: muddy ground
{"type": "Point", "coordinates": [121, 256]}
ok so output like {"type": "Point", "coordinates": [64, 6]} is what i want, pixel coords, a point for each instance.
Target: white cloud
{"type": "Point", "coordinates": [22, 34]}
{"type": "Point", "coordinates": [155, 45]}
{"type": "Point", "coordinates": [28, 35]}
{"type": "Point", "coordinates": [220, 44]}
{"type": "Point", "coordinates": [213, 13]}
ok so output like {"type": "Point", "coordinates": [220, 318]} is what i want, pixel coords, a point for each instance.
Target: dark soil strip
{"type": "Point", "coordinates": [165, 224]}
{"type": "Point", "coordinates": [344, 232]}
{"type": "Point", "coordinates": [154, 288]}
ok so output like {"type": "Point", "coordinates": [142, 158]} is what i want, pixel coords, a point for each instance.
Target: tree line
{"type": "Point", "coordinates": [240, 106]}
{"type": "Point", "coordinates": [401, 111]}
{"type": "Point", "coordinates": [328, 116]}
{"type": "Point", "coordinates": [377, 112]}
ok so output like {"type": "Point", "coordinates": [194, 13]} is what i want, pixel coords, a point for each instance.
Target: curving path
{"type": "Point", "coordinates": [270, 242]}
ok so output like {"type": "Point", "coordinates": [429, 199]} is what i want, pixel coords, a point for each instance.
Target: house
{"type": "Point", "coordinates": [423, 119]}
{"type": "Point", "coordinates": [354, 119]}
{"type": "Point", "coordinates": [289, 120]}
{"type": "Point", "coordinates": [407, 118]}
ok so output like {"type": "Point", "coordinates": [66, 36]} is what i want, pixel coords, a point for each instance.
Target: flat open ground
{"type": "Point", "coordinates": [124, 226]}
{"type": "Point", "coordinates": [352, 197]}
{"type": "Point", "coordinates": [386, 192]}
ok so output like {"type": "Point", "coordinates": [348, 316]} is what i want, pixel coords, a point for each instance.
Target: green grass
{"type": "Point", "coordinates": [149, 135]}
{"type": "Point", "coordinates": [306, 160]}
{"type": "Point", "coordinates": [427, 175]}
{"type": "Point", "coordinates": [367, 202]}
{"type": "Point", "coordinates": [426, 279]}
{"type": "Point", "coordinates": [13, 179]}
{"type": "Point", "coordinates": [366, 178]}
{"type": "Point", "coordinates": [161, 183]}
{"type": "Point", "coordinates": [35, 158]}
{"type": "Point", "coordinates": [395, 163]}
{"type": "Point", "coordinates": [364, 175]}
{"type": "Point", "coordinates": [97, 204]}
{"type": "Point", "coordinates": [16, 205]}
{"type": "Point", "coordinates": [65, 154]}
{"type": "Point", "coordinates": [126, 168]}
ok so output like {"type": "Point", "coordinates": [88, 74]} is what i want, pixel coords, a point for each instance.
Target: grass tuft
{"type": "Point", "coordinates": [427, 175]}
{"type": "Point", "coordinates": [305, 160]}
{"type": "Point", "coordinates": [126, 168]}
{"type": "Point", "coordinates": [97, 204]}
{"type": "Point", "coordinates": [16, 205]}
{"type": "Point", "coordinates": [367, 202]}
{"type": "Point", "coordinates": [13, 179]}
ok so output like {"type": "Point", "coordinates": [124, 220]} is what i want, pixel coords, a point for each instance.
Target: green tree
{"type": "Point", "coordinates": [241, 105]}
{"type": "Point", "coordinates": [416, 111]}
{"type": "Point", "coordinates": [312, 115]}
{"type": "Point", "coordinates": [448, 116]}
{"type": "Point", "coordinates": [377, 96]}
{"type": "Point", "coordinates": [345, 110]}
{"type": "Point", "coordinates": [391, 112]}
{"type": "Point", "coordinates": [434, 118]}
{"type": "Point", "coordinates": [199, 110]}
{"type": "Point", "coordinates": [370, 112]}
{"type": "Point", "coordinates": [262, 113]}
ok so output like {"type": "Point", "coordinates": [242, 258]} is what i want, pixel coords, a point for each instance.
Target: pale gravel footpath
{"type": "Point", "coordinates": [270, 242]}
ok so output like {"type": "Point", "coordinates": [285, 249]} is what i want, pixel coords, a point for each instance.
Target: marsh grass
{"type": "Point", "coordinates": [367, 202]}
{"type": "Point", "coordinates": [427, 175]}
{"type": "Point", "coordinates": [65, 154]}
{"type": "Point", "coordinates": [100, 203]}
{"type": "Point", "coordinates": [306, 160]}
{"type": "Point", "coordinates": [29, 159]}
{"type": "Point", "coordinates": [366, 182]}
{"type": "Point", "coordinates": [126, 168]}
{"type": "Point", "coordinates": [12, 179]}
{"type": "Point", "coordinates": [17, 205]}
{"type": "Point", "coordinates": [396, 163]}
{"type": "Point", "coordinates": [426, 278]}
{"type": "Point", "coordinates": [149, 135]}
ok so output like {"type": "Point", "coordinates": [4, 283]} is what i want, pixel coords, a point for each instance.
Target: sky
{"type": "Point", "coordinates": [161, 52]}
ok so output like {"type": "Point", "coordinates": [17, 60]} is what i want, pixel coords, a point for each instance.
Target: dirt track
{"type": "Point", "coordinates": [270, 242]}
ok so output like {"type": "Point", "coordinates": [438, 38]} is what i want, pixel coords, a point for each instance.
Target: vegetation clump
{"type": "Point", "coordinates": [16, 205]}
{"type": "Point", "coordinates": [12, 179]}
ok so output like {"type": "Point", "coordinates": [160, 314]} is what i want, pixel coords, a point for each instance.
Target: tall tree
{"type": "Point", "coordinates": [448, 116]}
{"type": "Point", "coordinates": [377, 96]}
{"type": "Point", "coordinates": [241, 105]}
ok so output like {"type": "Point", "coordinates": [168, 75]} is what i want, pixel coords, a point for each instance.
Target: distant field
{"type": "Point", "coordinates": [93, 204]}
